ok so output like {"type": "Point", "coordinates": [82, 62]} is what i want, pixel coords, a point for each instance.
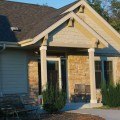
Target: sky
{"type": "Point", "coordinates": [52, 3]}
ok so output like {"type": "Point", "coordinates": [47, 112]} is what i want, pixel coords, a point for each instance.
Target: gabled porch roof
{"type": "Point", "coordinates": [89, 20]}
{"type": "Point", "coordinates": [58, 23]}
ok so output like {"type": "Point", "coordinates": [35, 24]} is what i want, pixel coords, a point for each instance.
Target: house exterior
{"type": "Point", "coordinates": [71, 45]}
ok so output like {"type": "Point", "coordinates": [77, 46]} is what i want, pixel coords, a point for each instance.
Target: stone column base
{"type": "Point", "coordinates": [93, 101]}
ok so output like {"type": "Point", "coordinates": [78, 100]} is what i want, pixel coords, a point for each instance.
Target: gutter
{"type": "Point", "coordinates": [9, 44]}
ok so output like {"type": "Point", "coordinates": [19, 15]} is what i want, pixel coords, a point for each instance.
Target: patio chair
{"type": "Point", "coordinates": [17, 108]}
{"type": "Point", "coordinates": [79, 91]}
{"type": "Point", "coordinates": [5, 109]}
{"type": "Point", "coordinates": [27, 99]}
{"type": "Point", "coordinates": [30, 103]}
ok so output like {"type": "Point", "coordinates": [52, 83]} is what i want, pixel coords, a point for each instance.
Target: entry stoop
{"type": "Point", "coordinates": [77, 106]}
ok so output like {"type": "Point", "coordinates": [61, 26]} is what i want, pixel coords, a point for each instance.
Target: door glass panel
{"type": "Point", "coordinates": [63, 66]}
{"type": "Point", "coordinates": [52, 73]}
{"type": "Point", "coordinates": [98, 73]}
{"type": "Point", "coordinates": [108, 71]}
{"type": "Point", "coordinates": [39, 77]}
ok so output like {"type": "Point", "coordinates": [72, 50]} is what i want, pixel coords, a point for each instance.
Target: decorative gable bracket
{"type": "Point", "coordinates": [81, 9]}
{"type": "Point", "coordinates": [96, 43]}
{"type": "Point", "coordinates": [71, 22]}
{"type": "Point", "coordinates": [45, 39]}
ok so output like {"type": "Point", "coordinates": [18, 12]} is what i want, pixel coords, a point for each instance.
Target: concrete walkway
{"type": "Point", "coordinates": [107, 114]}
{"type": "Point", "coordinates": [87, 108]}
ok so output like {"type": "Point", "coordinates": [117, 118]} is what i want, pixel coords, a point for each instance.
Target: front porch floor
{"type": "Point", "coordinates": [82, 105]}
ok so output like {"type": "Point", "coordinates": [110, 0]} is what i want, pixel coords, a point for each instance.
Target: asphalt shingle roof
{"type": "Point", "coordinates": [31, 19]}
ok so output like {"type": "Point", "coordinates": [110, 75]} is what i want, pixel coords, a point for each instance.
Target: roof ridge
{"type": "Point", "coordinates": [37, 5]}
{"type": "Point", "coordinates": [69, 4]}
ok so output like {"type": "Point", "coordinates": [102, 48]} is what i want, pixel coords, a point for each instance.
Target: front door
{"type": "Point", "coordinates": [54, 72]}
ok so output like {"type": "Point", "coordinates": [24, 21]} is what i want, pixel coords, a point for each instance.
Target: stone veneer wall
{"type": "Point", "coordinates": [78, 71]}
{"type": "Point", "coordinates": [117, 71]}
{"type": "Point", "coordinates": [33, 78]}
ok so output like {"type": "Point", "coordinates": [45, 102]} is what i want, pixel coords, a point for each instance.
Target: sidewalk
{"type": "Point", "coordinates": [107, 114]}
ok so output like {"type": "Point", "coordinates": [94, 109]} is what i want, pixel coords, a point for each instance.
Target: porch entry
{"type": "Point", "coordinates": [54, 76]}
{"type": "Point", "coordinates": [56, 72]}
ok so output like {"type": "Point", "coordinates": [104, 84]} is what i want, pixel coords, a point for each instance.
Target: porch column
{"type": "Point", "coordinates": [43, 59]}
{"type": "Point", "coordinates": [92, 75]}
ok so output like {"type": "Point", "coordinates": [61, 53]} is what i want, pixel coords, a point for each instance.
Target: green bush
{"type": "Point", "coordinates": [53, 99]}
{"type": "Point", "coordinates": [111, 94]}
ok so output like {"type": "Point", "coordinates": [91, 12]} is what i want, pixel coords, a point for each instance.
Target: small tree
{"type": "Point", "coordinates": [53, 99]}
{"type": "Point", "coordinates": [111, 94]}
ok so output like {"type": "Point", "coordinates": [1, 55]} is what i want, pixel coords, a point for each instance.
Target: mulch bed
{"type": "Point", "coordinates": [69, 116]}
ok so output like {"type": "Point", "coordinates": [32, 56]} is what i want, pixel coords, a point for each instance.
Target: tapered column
{"type": "Point", "coordinates": [43, 59]}
{"type": "Point", "coordinates": [60, 75]}
{"type": "Point", "coordinates": [92, 75]}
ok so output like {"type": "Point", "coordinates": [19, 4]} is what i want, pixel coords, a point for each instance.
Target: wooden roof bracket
{"type": "Point", "coordinates": [81, 9]}
{"type": "Point", "coordinates": [96, 43]}
{"type": "Point", "coordinates": [71, 22]}
{"type": "Point", "coordinates": [44, 41]}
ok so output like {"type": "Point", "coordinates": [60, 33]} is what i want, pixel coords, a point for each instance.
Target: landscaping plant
{"type": "Point", "coordinates": [111, 94]}
{"type": "Point", "coordinates": [54, 99]}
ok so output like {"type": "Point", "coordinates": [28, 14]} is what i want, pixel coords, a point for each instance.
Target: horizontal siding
{"type": "Point", "coordinates": [13, 72]}
{"type": "Point", "coordinates": [68, 37]}
{"type": "Point", "coordinates": [113, 43]}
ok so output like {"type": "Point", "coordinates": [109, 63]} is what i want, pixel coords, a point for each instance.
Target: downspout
{"type": "Point", "coordinates": [3, 48]}
{"type": "Point", "coordinates": [1, 82]}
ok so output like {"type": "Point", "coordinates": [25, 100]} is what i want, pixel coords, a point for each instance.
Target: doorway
{"type": "Point", "coordinates": [54, 72]}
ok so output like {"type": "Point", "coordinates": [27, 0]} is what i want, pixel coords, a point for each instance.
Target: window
{"type": "Point", "coordinates": [103, 69]}
{"type": "Point", "coordinates": [98, 73]}
{"type": "Point", "coordinates": [108, 71]}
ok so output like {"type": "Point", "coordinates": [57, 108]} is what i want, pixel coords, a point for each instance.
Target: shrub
{"type": "Point", "coordinates": [111, 94]}
{"type": "Point", "coordinates": [53, 99]}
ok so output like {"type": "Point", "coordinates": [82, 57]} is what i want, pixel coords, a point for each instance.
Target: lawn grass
{"type": "Point", "coordinates": [108, 107]}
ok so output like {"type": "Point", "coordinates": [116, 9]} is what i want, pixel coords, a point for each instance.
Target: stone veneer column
{"type": "Point", "coordinates": [43, 59]}
{"type": "Point", "coordinates": [92, 75]}
{"type": "Point", "coordinates": [33, 78]}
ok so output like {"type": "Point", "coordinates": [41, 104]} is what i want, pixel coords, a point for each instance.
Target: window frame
{"type": "Point", "coordinates": [102, 59]}
{"type": "Point", "coordinates": [98, 70]}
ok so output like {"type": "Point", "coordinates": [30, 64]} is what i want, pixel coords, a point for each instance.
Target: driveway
{"type": "Point", "coordinates": [107, 114]}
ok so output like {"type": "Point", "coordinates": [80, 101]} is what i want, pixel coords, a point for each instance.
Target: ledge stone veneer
{"type": "Point", "coordinates": [117, 70]}
{"type": "Point", "coordinates": [33, 78]}
{"type": "Point", "coordinates": [78, 71]}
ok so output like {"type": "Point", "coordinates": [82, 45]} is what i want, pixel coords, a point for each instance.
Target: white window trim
{"type": "Point", "coordinates": [113, 67]}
